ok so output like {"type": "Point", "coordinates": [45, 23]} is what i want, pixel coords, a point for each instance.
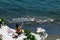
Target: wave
{"type": "Point", "coordinates": [57, 21]}
{"type": "Point", "coordinates": [25, 19]}
{"type": "Point", "coordinates": [30, 19]}
{"type": "Point", "coordinates": [45, 20]}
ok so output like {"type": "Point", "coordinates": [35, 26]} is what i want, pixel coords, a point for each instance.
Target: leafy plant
{"type": "Point", "coordinates": [2, 21]}
{"type": "Point", "coordinates": [29, 35]}
{"type": "Point", "coordinates": [0, 37]}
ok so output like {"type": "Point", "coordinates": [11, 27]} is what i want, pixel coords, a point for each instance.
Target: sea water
{"type": "Point", "coordinates": [40, 9]}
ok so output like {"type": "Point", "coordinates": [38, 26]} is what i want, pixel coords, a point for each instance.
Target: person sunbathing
{"type": "Point", "coordinates": [18, 29]}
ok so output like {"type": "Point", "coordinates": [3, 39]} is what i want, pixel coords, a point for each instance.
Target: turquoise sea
{"type": "Point", "coordinates": [40, 9]}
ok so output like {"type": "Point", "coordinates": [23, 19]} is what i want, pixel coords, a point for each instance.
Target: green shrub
{"type": "Point", "coordinates": [32, 37]}
{"type": "Point", "coordinates": [29, 35]}
{"type": "Point", "coordinates": [2, 21]}
{"type": "Point", "coordinates": [0, 38]}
